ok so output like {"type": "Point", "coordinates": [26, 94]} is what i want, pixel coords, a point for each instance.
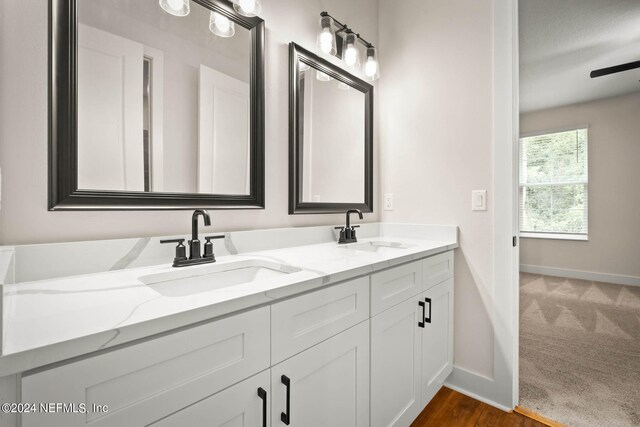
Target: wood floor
{"type": "Point", "coordinates": [449, 408]}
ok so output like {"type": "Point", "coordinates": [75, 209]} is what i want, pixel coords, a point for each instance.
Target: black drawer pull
{"type": "Point", "coordinates": [285, 417]}
{"type": "Point", "coordinates": [428, 301]}
{"type": "Point", "coordinates": [421, 321]}
{"type": "Point", "coordinates": [262, 393]}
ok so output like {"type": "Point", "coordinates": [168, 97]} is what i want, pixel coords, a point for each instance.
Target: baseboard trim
{"type": "Point", "coordinates": [535, 416]}
{"type": "Point", "coordinates": [583, 275]}
{"type": "Point", "coordinates": [474, 385]}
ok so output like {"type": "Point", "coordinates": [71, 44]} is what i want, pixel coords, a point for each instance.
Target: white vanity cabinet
{"type": "Point", "coordinates": [411, 342]}
{"type": "Point", "coordinates": [370, 351]}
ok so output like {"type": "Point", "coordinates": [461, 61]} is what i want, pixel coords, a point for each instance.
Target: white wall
{"type": "Point", "coordinates": [437, 145]}
{"type": "Point", "coordinates": [614, 195]}
{"type": "Point", "coordinates": [23, 129]}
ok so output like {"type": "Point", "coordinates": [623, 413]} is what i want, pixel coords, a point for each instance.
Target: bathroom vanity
{"type": "Point", "coordinates": [309, 335]}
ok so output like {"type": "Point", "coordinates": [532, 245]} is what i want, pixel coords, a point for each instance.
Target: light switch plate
{"type": "Point", "coordinates": [388, 201]}
{"type": "Point", "coordinates": [479, 200]}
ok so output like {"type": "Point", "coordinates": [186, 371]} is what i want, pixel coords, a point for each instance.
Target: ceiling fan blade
{"type": "Point", "coordinates": [615, 69]}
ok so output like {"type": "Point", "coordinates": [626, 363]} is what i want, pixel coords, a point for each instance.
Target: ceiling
{"type": "Point", "coordinates": [562, 41]}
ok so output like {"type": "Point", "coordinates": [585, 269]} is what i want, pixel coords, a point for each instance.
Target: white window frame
{"type": "Point", "coordinates": [549, 234]}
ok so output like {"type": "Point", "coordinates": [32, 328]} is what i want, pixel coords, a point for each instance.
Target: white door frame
{"type": "Point", "coordinates": [505, 201]}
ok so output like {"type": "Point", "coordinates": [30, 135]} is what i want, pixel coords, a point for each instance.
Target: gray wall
{"type": "Point", "coordinates": [23, 129]}
{"type": "Point", "coordinates": [614, 189]}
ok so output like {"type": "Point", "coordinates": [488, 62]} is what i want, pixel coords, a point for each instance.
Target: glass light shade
{"type": "Point", "coordinates": [303, 67]}
{"type": "Point", "coordinates": [248, 7]}
{"type": "Point", "coordinates": [327, 36]}
{"type": "Point", "coordinates": [371, 66]}
{"type": "Point", "coordinates": [350, 54]}
{"type": "Point", "coordinates": [343, 86]}
{"type": "Point", "coordinates": [175, 7]}
{"type": "Point", "coordinates": [221, 26]}
{"type": "Point", "coordinates": [323, 77]}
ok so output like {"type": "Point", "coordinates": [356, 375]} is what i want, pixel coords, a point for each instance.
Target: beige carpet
{"type": "Point", "coordinates": [580, 351]}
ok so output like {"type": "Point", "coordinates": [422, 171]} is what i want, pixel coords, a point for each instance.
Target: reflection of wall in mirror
{"type": "Point", "coordinates": [333, 141]}
{"type": "Point", "coordinates": [186, 44]}
{"type": "Point", "coordinates": [223, 134]}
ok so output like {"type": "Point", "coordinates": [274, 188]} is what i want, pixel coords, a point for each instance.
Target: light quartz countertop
{"type": "Point", "coordinates": [49, 321]}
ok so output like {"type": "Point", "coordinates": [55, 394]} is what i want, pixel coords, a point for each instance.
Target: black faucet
{"type": "Point", "coordinates": [195, 256]}
{"type": "Point", "coordinates": [194, 243]}
{"type": "Point", "coordinates": [348, 232]}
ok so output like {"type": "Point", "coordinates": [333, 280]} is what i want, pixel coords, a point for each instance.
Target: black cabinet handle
{"type": "Point", "coordinates": [428, 301]}
{"type": "Point", "coordinates": [421, 322]}
{"type": "Point", "coordinates": [285, 417]}
{"type": "Point", "coordinates": [262, 393]}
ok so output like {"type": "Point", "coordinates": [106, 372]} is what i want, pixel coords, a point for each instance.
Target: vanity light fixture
{"type": "Point", "coordinates": [350, 54]}
{"type": "Point", "coordinates": [248, 7]}
{"type": "Point", "coordinates": [175, 7]}
{"type": "Point", "coordinates": [327, 35]}
{"type": "Point", "coordinates": [221, 26]}
{"type": "Point", "coordinates": [371, 67]}
{"type": "Point", "coordinates": [336, 38]}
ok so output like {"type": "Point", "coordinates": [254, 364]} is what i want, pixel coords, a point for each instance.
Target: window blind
{"type": "Point", "coordinates": [554, 183]}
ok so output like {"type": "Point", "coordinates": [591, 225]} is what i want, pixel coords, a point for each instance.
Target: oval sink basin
{"type": "Point", "coordinates": [376, 246]}
{"type": "Point", "coordinates": [204, 278]}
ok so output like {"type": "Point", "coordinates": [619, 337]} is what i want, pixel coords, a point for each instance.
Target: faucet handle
{"type": "Point", "coordinates": [339, 227]}
{"type": "Point", "coordinates": [181, 250]}
{"type": "Point", "coordinates": [178, 241]}
{"type": "Point", "coordinates": [355, 226]}
{"type": "Point", "coordinates": [208, 246]}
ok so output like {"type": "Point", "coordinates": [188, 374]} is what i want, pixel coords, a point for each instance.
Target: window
{"type": "Point", "coordinates": [554, 185]}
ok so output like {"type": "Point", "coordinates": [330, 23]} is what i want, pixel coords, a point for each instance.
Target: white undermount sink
{"type": "Point", "coordinates": [376, 246]}
{"type": "Point", "coordinates": [204, 278]}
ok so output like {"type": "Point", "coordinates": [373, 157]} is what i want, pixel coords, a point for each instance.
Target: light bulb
{"type": "Point", "coordinates": [351, 55]}
{"type": "Point", "coordinates": [221, 26]}
{"type": "Point", "coordinates": [222, 22]}
{"type": "Point", "coordinates": [326, 36]}
{"type": "Point", "coordinates": [370, 67]}
{"type": "Point", "coordinates": [175, 4]}
{"type": "Point", "coordinates": [343, 86]}
{"type": "Point", "coordinates": [249, 6]}
{"type": "Point", "coordinates": [175, 7]}
{"type": "Point", "coordinates": [326, 41]}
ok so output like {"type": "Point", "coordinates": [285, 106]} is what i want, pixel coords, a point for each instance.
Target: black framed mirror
{"type": "Point", "coordinates": [155, 105]}
{"type": "Point", "coordinates": [330, 137]}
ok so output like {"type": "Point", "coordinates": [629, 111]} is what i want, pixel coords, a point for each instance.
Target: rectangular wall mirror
{"type": "Point", "coordinates": [330, 137]}
{"type": "Point", "coordinates": [155, 105]}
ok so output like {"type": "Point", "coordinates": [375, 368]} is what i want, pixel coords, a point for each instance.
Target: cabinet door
{"type": "Point", "coordinates": [396, 337]}
{"type": "Point", "coordinates": [242, 405]}
{"type": "Point", "coordinates": [437, 339]}
{"type": "Point", "coordinates": [326, 385]}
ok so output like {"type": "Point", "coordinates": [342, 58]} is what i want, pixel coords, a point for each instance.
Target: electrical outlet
{"type": "Point", "coordinates": [388, 201]}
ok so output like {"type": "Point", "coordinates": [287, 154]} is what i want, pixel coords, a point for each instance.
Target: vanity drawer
{"type": "Point", "coordinates": [436, 269]}
{"type": "Point", "coordinates": [153, 379]}
{"type": "Point", "coordinates": [392, 286]}
{"type": "Point", "coordinates": [304, 321]}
